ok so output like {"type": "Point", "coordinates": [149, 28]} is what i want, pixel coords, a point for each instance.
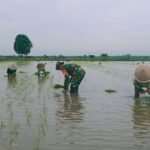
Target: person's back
{"type": "Point", "coordinates": [11, 70]}
{"type": "Point", "coordinates": [41, 67]}
{"type": "Point", "coordinates": [72, 69]}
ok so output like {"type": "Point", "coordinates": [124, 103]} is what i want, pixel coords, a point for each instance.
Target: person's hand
{"type": "Point", "coordinates": [148, 91]}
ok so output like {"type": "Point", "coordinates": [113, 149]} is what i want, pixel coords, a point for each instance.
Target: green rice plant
{"type": "Point", "coordinates": [58, 86]}
{"type": "Point", "coordinates": [9, 105]}
{"type": "Point", "coordinates": [2, 125]}
{"type": "Point", "coordinates": [42, 128]}
{"type": "Point", "coordinates": [36, 73]}
{"type": "Point", "coordinates": [46, 73]}
{"type": "Point", "coordinates": [37, 144]}
{"type": "Point", "coordinates": [43, 125]}
{"type": "Point", "coordinates": [43, 74]}
{"type": "Point", "coordinates": [15, 129]}
{"type": "Point", "coordinates": [29, 117]}
{"type": "Point", "coordinates": [110, 91]}
{"type": "Point", "coordinates": [14, 133]}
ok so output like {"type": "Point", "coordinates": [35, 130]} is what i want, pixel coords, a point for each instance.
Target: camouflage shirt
{"type": "Point", "coordinates": [71, 71]}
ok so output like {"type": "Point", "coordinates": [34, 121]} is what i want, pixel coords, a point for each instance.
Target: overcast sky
{"type": "Point", "coordinates": [77, 27]}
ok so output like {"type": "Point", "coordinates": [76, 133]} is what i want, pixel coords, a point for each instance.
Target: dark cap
{"type": "Point", "coordinates": [58, 64]}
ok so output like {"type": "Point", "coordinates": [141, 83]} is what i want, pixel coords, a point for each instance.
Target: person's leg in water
{"type": "Point", "coordinates": [76, 80]}
{"type": "Point", "coordinates": [11, 72]}
{"type": "Point", "coordinates": [39, 71]}
{"type": "Point", "coordinates": [44, 71]}
{"type": "Point", "coordinates": [74, 88]}
{"type": "Point", "coordinates": [137, 92]}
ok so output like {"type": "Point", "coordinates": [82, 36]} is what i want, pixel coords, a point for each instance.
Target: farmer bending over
{"type": "Point", "coordinates": [41, 68]}
{"type": "Point", "coordinates": [73, 74]}
{"type": "Point", "coordinates": [142, 80]}
{"type": "Point", "coordinates": [11, 70]}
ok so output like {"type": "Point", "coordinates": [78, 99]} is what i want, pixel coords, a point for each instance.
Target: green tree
{"type": "Point", "coordinates": [92, 56]}
{"type": "Point", "coordinates": [22, 45]}
{"type": "Point", "coordinates": [104, 56]}
{"type": "Point", "coordinates": [128, 56]}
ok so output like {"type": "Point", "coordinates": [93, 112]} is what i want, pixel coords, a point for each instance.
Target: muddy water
{"type": "Point", "coordinates": [35, 116]}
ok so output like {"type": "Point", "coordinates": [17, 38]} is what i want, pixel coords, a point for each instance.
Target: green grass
{"type": "Point", "coordinates": [76, 58]}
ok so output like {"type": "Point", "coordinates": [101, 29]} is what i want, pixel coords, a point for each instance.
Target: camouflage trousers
{"type": "Point", "coordinates": [76, 80]}
{"type": "Point", "coordinates": [139, 87]}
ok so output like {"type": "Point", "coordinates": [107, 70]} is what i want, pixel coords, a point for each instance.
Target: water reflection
{"type": "Point", "coordinates": [41, 80]}
{"type": "Point", "coordinates": [71, 108]}
{"type": "Point", "coordinates": [12, 81]}
{"type": "Point", "coordinates": [141, 116]}
{"type": "Point", "coordinates": [41, 89]}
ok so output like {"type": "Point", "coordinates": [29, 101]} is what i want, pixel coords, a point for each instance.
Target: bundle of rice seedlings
{"type": "Point", "coordinates": [36, 73]}
{"type": "Point", "coordinates": [22, 72]}
{"type": "Point", "coordinates": [58, 86]}
{"type": "Point", "coordinates": [44, 74]}
{"type": "Point", "coordinates": [110, 91]}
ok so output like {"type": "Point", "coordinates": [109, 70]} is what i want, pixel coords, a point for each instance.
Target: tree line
{"type": "Point", "coordinates": [23, 46]}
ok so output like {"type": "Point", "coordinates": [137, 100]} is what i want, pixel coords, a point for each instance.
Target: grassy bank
{"type": "Point", "coordinates": [75, 58]}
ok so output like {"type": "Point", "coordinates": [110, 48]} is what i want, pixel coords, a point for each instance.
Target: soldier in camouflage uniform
{"type": "Point", "coordinates": [73, 74]}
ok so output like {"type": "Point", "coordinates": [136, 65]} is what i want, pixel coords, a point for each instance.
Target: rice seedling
{"type": "Point", "coordinates": [2, 125]}
{"type": "Point", "coordinates": [37, 143]}
{"type": "Point", "coordinates": [40, 132]}
{"type": "Point", "coordinates": [46, 73]}
{"type": "Point", "coordinates": [14, 133]}
{"type": "Point", "coordinates": [9, 105]}
{"type": "Point", "coordinates": [42, 74]}
{"type": "Point", "coordinates": [43, 125]}
{"type": "Point", "coordinates": [110, 91]}
{"type": "Point", "coordinates": [42, 128]}
{"type": "Point", "coordinates": [29, 117]}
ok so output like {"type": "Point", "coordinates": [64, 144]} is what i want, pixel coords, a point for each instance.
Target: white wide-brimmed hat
{"type": "Point", "coordinates": [12, 67]}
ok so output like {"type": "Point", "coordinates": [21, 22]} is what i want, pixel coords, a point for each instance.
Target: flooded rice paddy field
{"type": "Point", "coordinates": [35, 116]}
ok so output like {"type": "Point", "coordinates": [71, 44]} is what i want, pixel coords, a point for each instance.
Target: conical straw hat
{"type": "Point", "coordinates": [142, 73]}
{"type": "Point", "coordinates": [12, 67]}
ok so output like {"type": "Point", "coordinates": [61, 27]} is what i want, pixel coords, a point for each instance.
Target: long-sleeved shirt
{"type": "Point", "coordinates": [70, 71]}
